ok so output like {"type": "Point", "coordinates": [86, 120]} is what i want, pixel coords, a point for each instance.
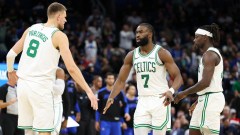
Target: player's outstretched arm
{"type": "Point", "coordinates": [209, 62]}
{"type": "Point", "coordinates": [60, 40]}
{"type": "Point", "coordinates": [120, 82]}
{"type": "Point", "coordinates": [174, 72]}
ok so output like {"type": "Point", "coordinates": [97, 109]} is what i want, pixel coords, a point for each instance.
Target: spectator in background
{"type": "Point", "coordinates": [126, 38]}
{"type": "Point", "coordinates": [132, 104]}
{"type": "Point", "coordinates": [96, 84]}
{"type": "Point", "coordinates": [9, 109]}
{"type": "Point", "coordinates": [110, 123]}
{"type": "Point", "coordinates": [235, 103]}
{"type": "Point", "coordinates": [91, 48]}
{"type": "Point", "coordinates": [227, 128]}
{"type": "Point", "coordinates": [74, 107]}
{"type": "Point", "coordinates": [176, 129]}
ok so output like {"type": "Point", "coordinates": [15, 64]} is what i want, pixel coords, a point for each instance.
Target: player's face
{"type": "Point", "coordinates": [61, 19]}
{"type": "Point", "coordinates": [132, 90]}
{"type": "Point", "coordinates": [110, 80]}
{"type": "Point", "coordinates": [142, 34]}
{"type": "Point", "coordinates": [99, 82]}
{"type": "Point", "coordinates": [198, 41]}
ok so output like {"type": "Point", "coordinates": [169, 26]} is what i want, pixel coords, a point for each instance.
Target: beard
{"type": "Point", "coordinates": [142, 42]}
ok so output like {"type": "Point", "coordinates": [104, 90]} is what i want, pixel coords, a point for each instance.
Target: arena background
{"type": "Point", "coordinates": [175, 22]}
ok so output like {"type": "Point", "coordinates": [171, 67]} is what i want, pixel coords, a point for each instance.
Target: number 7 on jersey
{"type": "Point", "coordinates": [146, 78]}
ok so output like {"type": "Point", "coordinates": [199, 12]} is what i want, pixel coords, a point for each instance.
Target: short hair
{"type": "Point", "coordinates": [109, 74]}
{"type": "Point", "coordinates": [54, 8]}
{"type": "Point", "coordinates": [149, 27]}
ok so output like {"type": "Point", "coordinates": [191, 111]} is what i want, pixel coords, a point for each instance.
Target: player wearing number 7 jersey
{"type": "Point", "coordinates": [151, 63]}
{"type": "Point", "coordinates": [41, 46]}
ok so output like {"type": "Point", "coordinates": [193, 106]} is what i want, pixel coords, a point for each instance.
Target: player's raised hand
{"type": "Point", "coordinates": [108, 104]}
{"type": "Point", "coordinates": [168, 98]}
{"type": "Point", "coordinates": [94, 100]}
{"type": "Point", "coordinates": [179, 96]}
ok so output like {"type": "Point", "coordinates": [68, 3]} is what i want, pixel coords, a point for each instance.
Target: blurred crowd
{"type": "Point", "coordinates": [102, 32]}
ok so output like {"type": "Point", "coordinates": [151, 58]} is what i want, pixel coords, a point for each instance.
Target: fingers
{"type": "Point", "coordinates": [107, 106]}
{"type": "Point", "coordinates": [162, 95]}
{"type": "Point", "coordinates": [176, 99]}
{"type": "Point", "coordinates": [94, 103]}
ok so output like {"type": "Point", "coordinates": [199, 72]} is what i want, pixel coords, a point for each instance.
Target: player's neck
{"type": "Point", "coordinates": [130, 96]}
{"type": "Point", "coordinates": [205, 48]}
{"type": "Point", "coordinates": [50, 23]}
{"type": "Point", "coordinates": [110, 87]}
{"type": "Point", "coordinates": [146, 49]}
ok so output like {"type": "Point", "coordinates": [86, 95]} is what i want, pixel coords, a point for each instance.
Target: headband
{"type": "Point", "coordinates": [203, 32]}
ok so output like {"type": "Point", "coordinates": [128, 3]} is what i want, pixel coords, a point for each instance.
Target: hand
{"type": "Point", "coordinates": [97, 126]}
{"type": "Point", "coordinates": [11, 101]}
{"type": "Point", "coordinates": [127, 117]}
{"type": "Point", "coordinates": [93, 99]}
{"type": "Point", "coordinates": [168, 98]}
{"type": "Point", "coordinates": [12, 77]}
{"type": "Point", "coordinates": [78, 117]}
{"type": "Point", "coordinates": [179, 96]}
{"type": "Point", "coordinates": [124, 126]}
{"type": "Point", "coordinates": [191, 109]}
{"type": "Point", "coordinates": [64, 124]}
{"type": "Point", "coordinates": [108, 104]}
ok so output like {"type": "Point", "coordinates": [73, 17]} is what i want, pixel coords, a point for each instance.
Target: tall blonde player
{"type": "Point", "coordinates": [41, 46]}
{"type": "Point", "coordinates": [151, 63]}
{"type": "Point", "coordinates": [206, 115]}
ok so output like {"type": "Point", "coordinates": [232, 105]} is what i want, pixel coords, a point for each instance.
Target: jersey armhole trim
{"type": "Point", "coordinates": [54, 32]}
{"type": "Point", "coordinates": [133, 56]}
{"type": "Point", "coordinates": [157, 57]}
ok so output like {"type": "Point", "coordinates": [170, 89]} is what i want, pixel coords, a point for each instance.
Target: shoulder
{"type": "Point", "coordinates": [164, 54]}
{"type": "Point", "coordinates": [102, 90]}
{"type": "Point", "coordinates": [59, 34]}
{"type": "Point", "coordinates": [4, 89]}
{"type": "Point", "coordinates": [129, 57]}
{"type": "Point", "coordinates": [210, 56]}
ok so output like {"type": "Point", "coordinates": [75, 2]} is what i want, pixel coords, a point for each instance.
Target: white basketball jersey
{"type": "Point", "coordinates": [151, 72]}
{"type": "Point", "coordinates": [39, 59]}
{"type": "Point", "coordinates": [216, 82]}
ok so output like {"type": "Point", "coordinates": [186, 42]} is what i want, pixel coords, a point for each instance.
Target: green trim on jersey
{"type": "Point", "coordinates": [146, 54]}
{"type": "Point", "coordinates": [198, 128]}
{"type": "Point", "coordinates": [43, 130]}
{"type": "Point", "coordinates": [214, 131]}
{"type": "Point", "coordinates": [25, 127]}
{"type": "Point", "coordinates": [194, 127]}
{"type": "Point", "coordinates": [155, 127]}
{"type": "Point", "coordinates": [204, 110]}
{"type": "Point", "coordinates": [133, 58]}
{"type": "Point", "coordinates": [156, 55]}
{"type": "Point", "coordinates": [54, 31]}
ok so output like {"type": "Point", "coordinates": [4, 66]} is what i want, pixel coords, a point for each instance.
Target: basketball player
{"type": "Point", "coordinates": [41, 46]}
{"type": "Point", "coordinates": [151, 63]}
{"type": "Point", "coordinates": [206, 115]}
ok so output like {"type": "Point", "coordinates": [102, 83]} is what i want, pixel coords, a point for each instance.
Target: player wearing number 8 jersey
{"type": "Point", "coordinates": [41, 46]}
{"type": "Point", "coordinates": [151, 63]}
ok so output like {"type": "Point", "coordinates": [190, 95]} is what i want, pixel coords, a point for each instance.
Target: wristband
{"type": "Point", "coordinates": [172, 90]}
